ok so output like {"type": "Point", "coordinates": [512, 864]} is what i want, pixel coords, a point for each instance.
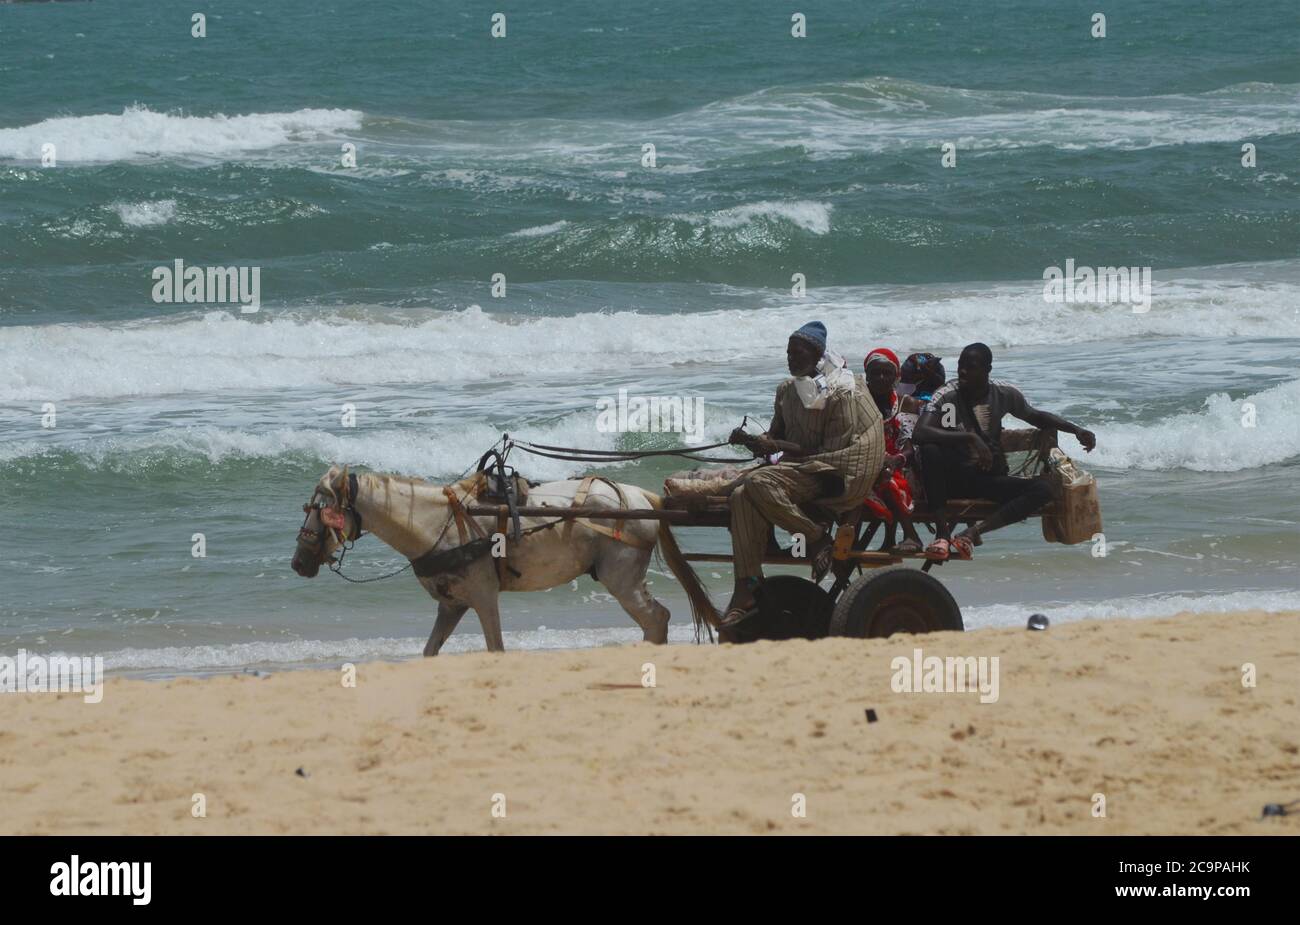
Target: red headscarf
{"type": "Point", "coordinates": [883, 352]}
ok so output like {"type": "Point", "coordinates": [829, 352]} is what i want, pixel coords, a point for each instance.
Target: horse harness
{"type": "Point", "coordinates": [475, 542]}
{"type": "Point", "coordinates": [451, 560]}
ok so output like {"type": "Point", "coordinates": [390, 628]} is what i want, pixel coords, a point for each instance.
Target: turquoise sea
{"type": "Point", "coordinates": [523, 156]}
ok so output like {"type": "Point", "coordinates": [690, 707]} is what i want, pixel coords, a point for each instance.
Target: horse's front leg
{"type": "Point", "coordinates": [483, 591]}
{"type": "Point", "coordinates": [490, 617]}
{"type": "Point", "coordinates": [448, 616]}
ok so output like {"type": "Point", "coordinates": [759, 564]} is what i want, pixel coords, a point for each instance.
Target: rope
{"type": "Point", "coordinates": [1036, 460]}
{"type": "Point", "coordinates": [569, 454]}
{"type": "Point", "coordinates": [337, 565]}
{"type": "Point", "coordinates": [576, 454]}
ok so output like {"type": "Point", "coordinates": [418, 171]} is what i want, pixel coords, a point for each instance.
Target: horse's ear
{"type": "Point", "coordinates": [340, 482]}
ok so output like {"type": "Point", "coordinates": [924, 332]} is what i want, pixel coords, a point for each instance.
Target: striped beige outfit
{"type": "Point", "coordinates": [848, 442]}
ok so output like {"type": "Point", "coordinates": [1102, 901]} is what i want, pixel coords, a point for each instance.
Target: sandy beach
{"type": "Point", "coordinates": [1151, 713]}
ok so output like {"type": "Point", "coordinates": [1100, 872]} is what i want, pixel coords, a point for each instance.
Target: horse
{"type": "Point", "coordinates": [428, 524]}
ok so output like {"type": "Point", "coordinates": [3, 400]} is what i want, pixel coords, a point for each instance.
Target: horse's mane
{"type": "Point", "coordinates": [464, 487]}
{"type": "Point", "coordinates": [471, 484]}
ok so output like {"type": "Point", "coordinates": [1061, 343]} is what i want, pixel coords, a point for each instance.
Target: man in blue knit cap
{"type": "Point", "coordinates": [826, 443]}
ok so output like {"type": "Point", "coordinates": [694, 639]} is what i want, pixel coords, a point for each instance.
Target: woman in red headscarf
{"type": "Point", "coordinates": [891, 498]}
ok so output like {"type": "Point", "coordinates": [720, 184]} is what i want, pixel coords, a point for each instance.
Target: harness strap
{"type": "Point", "coordinates": [463, 519]}
{"type": "Point", "coordinates": [457, 511]}
{"type": "Point", "coordinates": [437, 562]}
{"type": "Point", "coordinates": [352, 503]}
{"type": "Point", "coordinates": [579, 497]}
{"type": "Point", "coordinates": [347, 504]}
{"type": "Point", "coordinates": [614, 533]}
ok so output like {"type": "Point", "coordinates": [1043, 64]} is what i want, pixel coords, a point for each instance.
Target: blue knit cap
{"type": "Point", "coordinates": [815, 333]}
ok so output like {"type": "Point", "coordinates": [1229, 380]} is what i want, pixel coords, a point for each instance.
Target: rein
{"type": "Point", "coordinates": [576, 454]}
{"type": "Point", "coordinates": [433, 562]}
{"type": "Point", "coordinates": [456, 513]}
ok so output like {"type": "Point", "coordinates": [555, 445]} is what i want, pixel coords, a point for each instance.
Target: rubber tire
{"type": "Point", "coordinates": [789, 607]}
{"type": "Point", "coordinates": [895, 600]}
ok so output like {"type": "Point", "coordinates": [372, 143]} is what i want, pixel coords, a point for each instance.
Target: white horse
{"type": "Point", "coordinates": [427, 524]}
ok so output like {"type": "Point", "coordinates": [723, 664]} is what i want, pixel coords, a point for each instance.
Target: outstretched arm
{"type": "Point", "coordinates": [1045, 420]}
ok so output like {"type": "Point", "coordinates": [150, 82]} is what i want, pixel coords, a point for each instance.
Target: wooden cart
{"type": "Point", "coordinates": [874, 593]}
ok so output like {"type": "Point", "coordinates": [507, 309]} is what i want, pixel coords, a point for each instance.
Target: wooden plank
{"type": "Point", "coordinates": [713, 515]}
{"type": "Point", "coordinates": [713, 510]}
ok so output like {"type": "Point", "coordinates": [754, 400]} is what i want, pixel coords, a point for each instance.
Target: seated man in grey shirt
{"type": "Point", "coordinates": [959, 443]}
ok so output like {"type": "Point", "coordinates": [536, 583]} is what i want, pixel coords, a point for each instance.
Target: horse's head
{"type": "Point", "coordinates": [331, 520]}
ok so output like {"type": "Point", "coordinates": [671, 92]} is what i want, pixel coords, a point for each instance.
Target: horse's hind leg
{"type": "Point", "coordinates": [646, 611]}
{"type": "Point", "coordinates": [624, 576]}
{"type": "Point", "coordinates": [448, 616]}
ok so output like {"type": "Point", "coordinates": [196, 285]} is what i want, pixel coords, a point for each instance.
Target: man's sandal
{"type": "Point", "coordinates": [820, 552]}
{"type": "Point", "coordinates": [735, 615]}
{"type": "Point", "coordinates": [962, 546]}
{"type": "Point", "coordinates": [908, 548]}
{"type": "Point", "coordinates": [937, 551]}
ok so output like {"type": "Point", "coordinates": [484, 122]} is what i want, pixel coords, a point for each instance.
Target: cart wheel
{"type": "Point", "coordinates": [895, 600]}
{"type": "Point", "coordinates": [789, 607]}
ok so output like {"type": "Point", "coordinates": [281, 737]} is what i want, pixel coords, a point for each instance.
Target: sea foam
{"type": "Point", "coordinates": [180, 353]}
{"type": "Point", "coordinates": [318, 652]}
{"type": "Point", "coordinates": [139, 132]}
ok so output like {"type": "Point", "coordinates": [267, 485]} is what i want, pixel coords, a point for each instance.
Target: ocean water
{"type": "Point", "coordinates": [523, 156]}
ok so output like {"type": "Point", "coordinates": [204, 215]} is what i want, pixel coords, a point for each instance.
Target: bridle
{"type": "Point", "coordinates": [333, 517]}
{"type": "Point", "coordinates": [334, 511]}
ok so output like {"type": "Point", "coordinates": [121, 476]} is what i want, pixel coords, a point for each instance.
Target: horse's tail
{"type": "Point", "coordinates": [703, 613]}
